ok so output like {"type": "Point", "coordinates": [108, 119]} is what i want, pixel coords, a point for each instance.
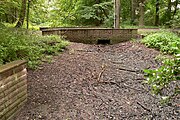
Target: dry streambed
{"type": "Point", "coordinates": [96, 82]}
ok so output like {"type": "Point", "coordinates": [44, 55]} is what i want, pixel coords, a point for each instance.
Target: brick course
{"type": "Point", "coordinates": [13, 88]}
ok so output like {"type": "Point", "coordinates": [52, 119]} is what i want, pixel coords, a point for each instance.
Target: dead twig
{"type": "Point", "coordinates": [102, 71]}
{"type": "Point", "coordinates": [145, 108]}
{"type": "Point", "coordinates": [117, 62]}
{"type": "Point", "coordinates": [134, 71]}
{"type": "Point", "coordinates": [113, 83]}
{"type": "Point", "coordinates": [139, 79]}
{"type": "Point", "coordinates": [84, 50]}
{"type": "Point", "coordinates": [131, 87]}
{"type": "Point", "coordinates": [121, 86]}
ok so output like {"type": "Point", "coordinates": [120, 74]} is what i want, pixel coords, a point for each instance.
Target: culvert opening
{"type": "Point", "coordinates": [103, 41]}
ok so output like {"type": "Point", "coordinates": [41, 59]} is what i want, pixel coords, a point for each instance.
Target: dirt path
{"type": "Point", "coordinates": [93, 82]}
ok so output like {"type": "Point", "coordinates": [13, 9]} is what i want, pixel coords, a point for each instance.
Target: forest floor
{"type": "Point", "coordinates": [96, 82]}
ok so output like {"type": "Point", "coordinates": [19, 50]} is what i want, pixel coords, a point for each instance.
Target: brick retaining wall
{"type": "Point", "coordinates": [13, 88]}
{"type": "Point", "coordinates": [92, 35]}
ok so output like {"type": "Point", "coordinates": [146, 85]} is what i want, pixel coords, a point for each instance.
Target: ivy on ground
{"type": "Point", "coordinates": [164, 81]}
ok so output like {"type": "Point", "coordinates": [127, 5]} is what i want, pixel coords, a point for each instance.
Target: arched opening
{"type": "Point", "coordinates": [104, 41]}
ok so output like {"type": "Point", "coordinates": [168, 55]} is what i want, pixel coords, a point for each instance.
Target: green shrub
{"type": "Point", "coordinates": [164, 41]}
{"type": "Point", "coordinates": [21, 44]}
{"type": "Point", "coordinates": [160, 79]}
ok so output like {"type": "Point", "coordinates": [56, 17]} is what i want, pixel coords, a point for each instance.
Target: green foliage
{"type": "Point", "coordinates": [164, 41]}
{"type": "Point", "coordinates": [7, 10]}
{"type": "Point", "coordinates": [93, 13]}
{"type": "Point", "coordinates": [73, 12]}
{"type": "Point", "coordinates": [161, 78]}
{"type": "Point", "coordinates": [175, 23]}
{"type": "Point", "coordinates": [88, 12]}
{"type": "Point", "coordinates": [96, 13]}
{"type": "Point", "coordinates": [109, 22]}
{"type": "Point", "coordinates": [21, 44]}
{"type": "Point", "coordinates": [39, 11]}
{"type": "Point", "coordinates": [126, 11]}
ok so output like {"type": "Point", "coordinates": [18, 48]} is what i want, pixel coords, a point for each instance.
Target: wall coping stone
{"type": "Point", "coordinates": [83, 28]}
{"type": "Point", "coordinates": [11, 65]}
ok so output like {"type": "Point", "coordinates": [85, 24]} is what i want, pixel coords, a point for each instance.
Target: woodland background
{"type": "Point", "coordinates": [92, 13]}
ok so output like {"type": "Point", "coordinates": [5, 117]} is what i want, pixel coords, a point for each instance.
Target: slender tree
{"type": "Point", "coordinates": [141, 7]}
{"type": "Point", "coordinates": [22, 14]}
{"type": "Point", "coordinates": [157, 13]}
{"type": "Point", "coordinates": [169, 10]}
{"type": "Point", "coordinates": [28, 8]}
{"type": "Point", "coordinates": [116, 13]}
{"type": "Point", "coordinates": [132, 11]}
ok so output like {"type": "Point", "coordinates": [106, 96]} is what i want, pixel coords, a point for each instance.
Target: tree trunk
{"type": "Point", "coordinates": [27, 18]}
{"type": "Point", "coordinates": [132, 11]}
{"type": "Point", "coordinates": [157, 13]}
{"type": "Point", "coordinates": [141, 19]}
{"type": "Point", "coordinates": [6, 18]}
{"type": "Point", "coordinates": [22, 14]}
{"type": "Point", "coordinates": [116, 13]}
{"type": "Point", "coordinates": [169, 10]}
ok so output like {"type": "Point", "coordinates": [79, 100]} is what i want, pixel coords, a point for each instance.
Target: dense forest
{"type": "Point", "coordinates": [90, 13]}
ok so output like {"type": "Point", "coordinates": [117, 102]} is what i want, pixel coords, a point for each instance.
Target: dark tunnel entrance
{"type": "Point", "coordinates": [103, 41]}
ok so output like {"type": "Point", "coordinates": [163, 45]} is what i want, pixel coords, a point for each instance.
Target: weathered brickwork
{"type": "Point", "coordinates": [92, 35]}
{"type": "Point", "coordinates": [13, 88]}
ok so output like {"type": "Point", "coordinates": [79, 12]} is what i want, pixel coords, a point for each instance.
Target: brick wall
{"type": "Point", "coordinates": [92, 35]}
{"type": "Point", "coordinates": [13, 88]}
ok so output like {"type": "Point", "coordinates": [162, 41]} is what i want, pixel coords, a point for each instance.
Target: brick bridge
{"type": "Point", "coordinates": [93, 35]}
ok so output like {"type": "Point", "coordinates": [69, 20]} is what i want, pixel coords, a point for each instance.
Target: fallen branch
{"type": "Point", "coordinates": [100, 74]}
{"type": "Point", "coordinates": [141, 79]}
{"type": "Point", "coordinates": [117, 62]}
{"type": "Point", "coordinates": [84, 50]}
{"type": "Point", "coordinates": [122, 85]}
{"type": "Point", "coordinates": [134, 71]}
{"type": "Point", "coordinates": [131, 87]}
{"type": "Point", "coordinates": [145, 108]}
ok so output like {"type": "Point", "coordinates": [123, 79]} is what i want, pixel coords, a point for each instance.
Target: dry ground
{"type": "Point", "coordinates": [96, 82]}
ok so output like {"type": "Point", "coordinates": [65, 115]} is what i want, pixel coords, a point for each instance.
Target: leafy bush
{"type": "Point", "coordinates": [161, 79]}
{"type": "Point", "coordinates": [21, 44]}
{"type": "Point", "coordinates": [164, 41]}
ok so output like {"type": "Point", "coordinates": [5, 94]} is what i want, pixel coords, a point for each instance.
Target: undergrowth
{"type": "Point", "coordinates": [166, 42]}
{"type": "Point", "coordinates": [18, 44]}
{"type": "Point", "coordinates": [164, 81]}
